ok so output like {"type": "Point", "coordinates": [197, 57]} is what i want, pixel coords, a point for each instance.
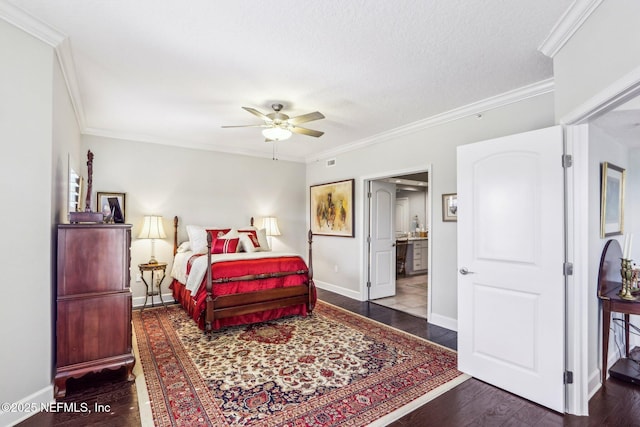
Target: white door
{"type": "Point", "coordinates": [382, 267]}
{"type": "Point", "coordinates": [510, 260]}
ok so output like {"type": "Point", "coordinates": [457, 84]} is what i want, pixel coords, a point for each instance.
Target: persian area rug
{"type": "Point", "coordinates": [332, 368]}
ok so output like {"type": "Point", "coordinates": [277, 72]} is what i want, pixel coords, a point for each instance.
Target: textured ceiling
{"type": "Point", "coordinates": [174, 71]}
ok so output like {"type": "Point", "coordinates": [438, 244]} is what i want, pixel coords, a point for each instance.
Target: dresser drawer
{"type": "Point", "coordinates": [91, 328]}
{"type": "Point", "coordinates": [93, 259]}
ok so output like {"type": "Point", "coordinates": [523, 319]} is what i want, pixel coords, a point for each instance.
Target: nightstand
{"type": "Point", "coordinates": [160, 266]}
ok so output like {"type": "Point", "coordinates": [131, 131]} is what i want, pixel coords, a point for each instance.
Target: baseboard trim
{"type": "Point", "coordinates": [36, 401]}
{"type": "Point", "coordinates": [444, 321]}
{"type": "Point", "coordinates": [594, 383]}
{"type": "Point", "coordinates": [138, 302]}
{"type": "Point", "coordinates": [339, 290]}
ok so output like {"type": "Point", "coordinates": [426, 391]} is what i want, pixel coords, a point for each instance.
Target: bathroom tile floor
{"type": "Point", "coordinates": [410, 297]}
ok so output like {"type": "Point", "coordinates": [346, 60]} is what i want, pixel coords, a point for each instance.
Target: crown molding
{"type": "Point", "coordinates": [567, 25]}
{"type": "Point", "coordinates": [578, 12]}
{"type": "Point", "coordinates": [52, 37]}
{"type": "Point", "coordinates": [616, 94]}
{"type": "Point", "coordinates": [150, 139]}
{"type": "Point", "coordinates": [38, 29]}
{"type": "Point", "coordinates": [516, 95]}
{"type": "Point", "coordinates": [67, 65]}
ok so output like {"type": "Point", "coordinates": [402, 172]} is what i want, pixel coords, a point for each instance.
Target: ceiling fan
{"type": "Point", "coordinates": [278, 126]}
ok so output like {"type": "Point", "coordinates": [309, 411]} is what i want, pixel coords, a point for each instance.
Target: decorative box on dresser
{"type": "Point", "coordinates": [93, 315]}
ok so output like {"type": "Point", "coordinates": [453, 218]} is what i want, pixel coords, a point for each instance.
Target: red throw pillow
{"type": "Point", "coordinates": [217, 232]}
{"type": "Point", "coordinates": [253, 236]}
{"type": "Point", "coordinates": [225, 246]}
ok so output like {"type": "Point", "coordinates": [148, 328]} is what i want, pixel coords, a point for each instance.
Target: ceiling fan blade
{"type": "Point", "coordinates": [247, 126]}
{"type": "Point", "coordinates": [258, 114]}
{"type": "Point", "coordinates": [306, 118]}
{"type": "Point", "coordinates": [305, 131]}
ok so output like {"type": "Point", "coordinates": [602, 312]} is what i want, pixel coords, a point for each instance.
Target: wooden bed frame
{"type": "Point", "coordinates": [224, 306]}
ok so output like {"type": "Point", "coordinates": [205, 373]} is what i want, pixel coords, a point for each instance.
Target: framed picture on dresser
{"type": "Point", "coordinates": [112, 206]}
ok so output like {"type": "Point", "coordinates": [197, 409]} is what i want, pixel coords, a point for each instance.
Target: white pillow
{"type": "Point", "coordinates": [184, 247]}
{"type": "Point", "coordinates": [247, 244]}
{"type": "Point", "coordinates": [197, 238]}
{"type": "Point", "coordinates": [232, 234]}
{"type": "Point", "coordinates": [262, 238]}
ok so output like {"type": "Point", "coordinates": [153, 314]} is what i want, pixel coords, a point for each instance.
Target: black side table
{"type": "Point", "coordinates": [160, 266]}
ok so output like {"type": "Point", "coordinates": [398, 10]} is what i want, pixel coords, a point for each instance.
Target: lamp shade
{"type": "Point", "coordinates": [270, 224]}
{"type": "Point", "coordinates": [276, 133]}
{"type": "Point", "coordinates": [152, 228]}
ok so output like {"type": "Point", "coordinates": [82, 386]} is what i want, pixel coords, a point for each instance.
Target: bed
{"type": "Point", "coordinates": [223, 283]}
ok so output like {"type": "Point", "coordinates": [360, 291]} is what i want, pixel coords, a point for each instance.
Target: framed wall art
{"type": "Point", "coordinates": [112, 206]}
{"type": "Point", "coordinates": [611, 200]}
{"type": "Point", "coordinates": [450, 207]}
{"type": "Point", "coordinates": [332, 209]}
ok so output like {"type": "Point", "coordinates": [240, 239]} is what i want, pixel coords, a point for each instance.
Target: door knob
{"type": "Point", "coordinates": [465, 271]}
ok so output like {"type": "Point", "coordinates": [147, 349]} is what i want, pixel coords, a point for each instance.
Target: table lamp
{"type": "Point", "coordinates": [152, 229]}
{"type": "Point", "coordinates": [270, 225]}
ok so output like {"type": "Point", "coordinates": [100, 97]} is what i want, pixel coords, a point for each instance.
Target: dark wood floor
{"type": "Point", "coordinates": [472, 403]}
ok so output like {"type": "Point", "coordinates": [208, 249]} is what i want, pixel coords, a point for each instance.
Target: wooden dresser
{"type": "Point", "coordinates": [93, 316]}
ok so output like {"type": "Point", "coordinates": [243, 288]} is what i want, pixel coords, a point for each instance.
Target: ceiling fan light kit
{"type": "Point", "coordinates": [276, 134]}
{"type": "Point", "coordinates": [278, 126]}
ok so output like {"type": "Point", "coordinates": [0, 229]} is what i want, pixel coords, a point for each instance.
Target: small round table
{"type": "Point", "coordinates": [159, 266]}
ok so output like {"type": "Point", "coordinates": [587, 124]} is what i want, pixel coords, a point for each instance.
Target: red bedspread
{"type": "Point", "coordinates": [237, 268]}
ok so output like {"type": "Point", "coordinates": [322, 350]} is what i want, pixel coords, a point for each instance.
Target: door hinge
{"type": "Point", "coordinates": [368, 239]}
{"type": "Point", "coordinates": [368, 283]}
{"type": "Point", "coordinates": [567, 160]}
{"type": "Point", "coordinates": [369, 194]}
{"type": "Point", "coordinates": [568, 377]}
{"type": "Point", "coordinates": [567, 268]}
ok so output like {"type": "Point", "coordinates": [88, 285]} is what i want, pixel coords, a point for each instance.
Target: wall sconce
{"type": "Point", "coordinates": [270, 225]}
{"type": "Point", "coordinates": [152, 229]}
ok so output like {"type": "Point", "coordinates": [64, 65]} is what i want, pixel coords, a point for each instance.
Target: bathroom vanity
{"type": "Point", "coordinates": [416, 256]}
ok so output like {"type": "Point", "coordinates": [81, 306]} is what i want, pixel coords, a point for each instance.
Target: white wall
{"type": "Point", "coordinates": [66, 147]}
{"type": "Point", "coordinates": [434, 146]}
{"type": "Point", "coordinates": [599, 61]}
{"type": "Point", "coordinates": [417, 206]}
{"type": "Point", "coordinates": [632, 224]}
{"type": "Point", "coordinates": [26, 67]}
{"type": "Point", "coordinates": [200, 187]}
{"type": "Point", "coordinates": [606, 148]}
{"type": "Point", "coordinates": [604, 50]}
{"type": "Point", "coordinates": [602, 148]}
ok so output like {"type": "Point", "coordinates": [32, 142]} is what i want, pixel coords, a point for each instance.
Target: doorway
{"type": "Point", "coordinates": [583, 316]}
{"type": "Point", "coordinates": [411, 220]}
